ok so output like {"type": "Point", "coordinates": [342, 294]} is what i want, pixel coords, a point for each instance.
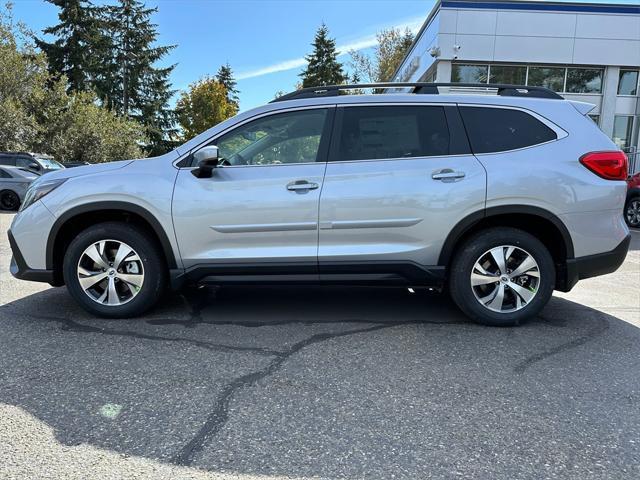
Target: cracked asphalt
{"type": "Point", "coordinates": [269, 383]}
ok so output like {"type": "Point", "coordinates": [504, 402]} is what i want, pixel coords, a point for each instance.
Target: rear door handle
{"type": "Point", "coordinates": [447, 175]}
{"type": "Point", "coordinates": [301, 185]}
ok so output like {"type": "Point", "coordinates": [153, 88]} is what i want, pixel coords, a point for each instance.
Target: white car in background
{"type": "Point", "coordinates": [14, 182]}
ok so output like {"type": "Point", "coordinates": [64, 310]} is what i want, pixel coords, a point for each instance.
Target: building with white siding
{"type": "Point", "coordinates": [584, 51]}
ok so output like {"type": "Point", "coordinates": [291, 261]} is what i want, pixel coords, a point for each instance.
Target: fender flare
{"type": "Point", "coordinates": [464, 225]}
{"type": "Point", "coordinates": [110, 205]}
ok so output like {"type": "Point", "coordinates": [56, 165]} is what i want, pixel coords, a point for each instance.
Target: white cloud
{"type": "Point", "coordinates": [357, 44]}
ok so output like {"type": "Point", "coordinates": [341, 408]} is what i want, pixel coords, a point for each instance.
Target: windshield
{"type": "Point", "coordinates": [50, 163]}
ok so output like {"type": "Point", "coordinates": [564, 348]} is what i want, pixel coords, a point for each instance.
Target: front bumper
{"type": "Point", "coordinates": [595, 265]}
{"type": "Point", "coordinates": [21, 270]}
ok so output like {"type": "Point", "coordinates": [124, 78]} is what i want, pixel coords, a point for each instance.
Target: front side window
{"type": "Point", "coordinates": [469, 73]}
{"type": "Point", "coordinates": [500, 129]}
{"type": "Point", "coordinates": [25, 162]}
{"type": "Point", "coordinates": [584, 80]}
{"type": "Point", "coordinates": [548, 77]}
{"type": "Point", "coordinates": [291, 137]}
{"type": "Point", "coordinates": [509, 74]}
{"type": "Point", "coordinates": [628, 84]}
{"type": "Point", "coordinates": [372, 133]}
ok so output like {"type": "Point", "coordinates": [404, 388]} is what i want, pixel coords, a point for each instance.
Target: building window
{"type": "Point", "coordinates": [584, 80]}
{"type": "Point", "coordinates": [469, 73]}
{"type": "Point", "coordinates": [622, 128]}
{"type": "Point", "coordinates": [548, 77]}
{"type": "Point", "coordinates": [628, 84]}
{"type": "Point", "coordinates": [510, 74]}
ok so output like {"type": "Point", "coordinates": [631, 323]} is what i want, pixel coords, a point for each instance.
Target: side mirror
{"type": "Point", "coordinates": [34, 166]}
{"type": "Point", "coordinates": [207, 160]}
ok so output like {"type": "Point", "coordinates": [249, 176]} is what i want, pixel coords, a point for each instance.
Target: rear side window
{"type": "Point", "coordinates": [4, 174]}
{"type": "Point", "coordinates": [502, 129]}
{"type": "Point", "coordinates": [371, 133]}
{"type": "Point", "coordinates": [7, 161]}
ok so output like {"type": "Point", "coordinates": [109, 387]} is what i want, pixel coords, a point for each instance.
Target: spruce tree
{"type": "Point", "coordinates": [225, 77]}
{"type": "Point", "coordinates": [132, 84]}
{"type": "Point", "coordinates": [323, 67]}
{"type": "Point", "coordinates": [76, 51]}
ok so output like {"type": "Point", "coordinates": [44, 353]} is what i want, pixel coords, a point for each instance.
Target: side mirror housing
{"type": "Point", "coordinates": [34, 166]}
{"type": "Point", "coordinates": [207, 160]}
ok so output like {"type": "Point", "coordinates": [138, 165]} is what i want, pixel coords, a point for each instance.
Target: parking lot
{"type": "Point", "coordinates": [319, 383]}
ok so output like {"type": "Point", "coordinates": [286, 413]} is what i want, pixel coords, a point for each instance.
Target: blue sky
{"type": "Point", "coordinates": [263, 41]}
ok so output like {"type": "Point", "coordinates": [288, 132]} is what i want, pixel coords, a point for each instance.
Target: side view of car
{"type": "Point", "coordinates": [14, 182]}
{"type": "Point", "coordinates": [632, 205]}
{"type": "Point", "coordinates": [34, 162]}
{"type": "Point", "coordinates": [499, 194]}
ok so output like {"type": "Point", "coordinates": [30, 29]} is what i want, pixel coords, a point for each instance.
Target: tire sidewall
{"type": "Point", "coordinates": [150, 257]}
{"type": "Point", "coordinates": [473, 249]}
{"type": "Point", "coordinates": [9, 192]}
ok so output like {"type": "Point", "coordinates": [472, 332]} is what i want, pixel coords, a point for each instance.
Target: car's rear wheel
{"type": "Point", "coordinates": [502, 276]}
{"type": "Point", "coordinates": [9, 200]}
{"type": "Point", "coordinates": [114, 270]}
{"type": "Point", "coordinates": [632, 212]}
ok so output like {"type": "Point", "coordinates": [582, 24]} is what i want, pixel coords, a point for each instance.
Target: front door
{"type": "Point", "coordinates": [258, 213]}
{"type": "Point", "coordinates": [400, 177]}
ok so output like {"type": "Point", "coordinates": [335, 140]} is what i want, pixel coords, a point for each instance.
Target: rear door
{"type": "Point", "coordinates": [400, 177]}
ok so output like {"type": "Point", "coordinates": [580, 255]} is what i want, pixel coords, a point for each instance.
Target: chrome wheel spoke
{"type": "Point", "coordinates": [498, 299]}
{"type": "Point", "coordinates": [112, 297]}
{"type": "Point", "coordinates": [96, 253]}
{"type": "Point", "coordinates": [499, 259]}
{"type": "Point", "coordinates": [526, 265]}
{"type": "Point", "coordinates": [90, 280]}
{"type": "Point", "coordinates": [131, 279]}
{"type": "Point", "coordinates": [121, 254]}
{"type": "Point", "coordinates": [480, 279]}
{"type": "Point", "coordinates": [522, 292]}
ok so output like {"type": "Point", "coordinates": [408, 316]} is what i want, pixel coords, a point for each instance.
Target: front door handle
{"type": "Point", "coordinates": [447, 175]}
{"type": "Point", "coordinates": [301, 185]}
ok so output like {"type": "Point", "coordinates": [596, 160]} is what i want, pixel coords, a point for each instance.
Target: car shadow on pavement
{"type": "Point", "coordinates": [331, 383]}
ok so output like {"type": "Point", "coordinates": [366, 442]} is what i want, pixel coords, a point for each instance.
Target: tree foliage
{"type": "Point", "coordinates": [226, 78]}
{"type": "Point", "coordinates": [204, 105]}
{"type": "Point", "coordinates": [37, 114]}
{"type": "Point", "coordinates": [392, 46]}
{"type": "Point", "coordinates": [323, 67]}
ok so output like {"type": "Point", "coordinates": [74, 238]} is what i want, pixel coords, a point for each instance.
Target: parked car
{"type": "Point", "coordinates": [74, 164]}
{"type": "Point", "coordinates": [632, 205]}
{"type": "Point", "coordinates": [502, 196]}
{"type": "Point", "coordinates": [33, 162]}
{"type": "Point", "coordinates": [14, 182]}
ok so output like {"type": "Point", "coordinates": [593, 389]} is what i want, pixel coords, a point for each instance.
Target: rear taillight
{"type": "Point", "coordinates": [608, 165]}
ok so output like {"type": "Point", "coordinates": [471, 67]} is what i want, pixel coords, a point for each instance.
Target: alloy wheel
{"type": "Point", "coordinates": [633, 213]}
{"type": "Point", "coordinates": [505, 279]}
{"type": "Point", "coordinates": [110, 272]}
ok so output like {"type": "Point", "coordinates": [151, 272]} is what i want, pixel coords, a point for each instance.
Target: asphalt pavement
{"type": "Point", "coordinates": [267, 383]}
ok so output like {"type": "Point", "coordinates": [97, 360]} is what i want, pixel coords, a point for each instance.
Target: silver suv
{"type": "Point", "coordinates": [498, 193]}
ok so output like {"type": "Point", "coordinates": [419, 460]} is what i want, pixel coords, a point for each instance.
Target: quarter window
{"type": "Point", "coordinates": [369, 133]}
{"type": "Point", "coordinates": [291, 137]}
{"type": "Point", "coordinates": [4, 174]}
{"type": "Point", "coordinates": [501, 129]}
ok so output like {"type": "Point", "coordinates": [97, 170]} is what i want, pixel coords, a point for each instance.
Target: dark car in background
{"type": "Point", "coordinates": [14, 182]}
{"type": "Point", "coordinates": [34, 162]}
{"type": "Point", "coordinates": [632, 206]}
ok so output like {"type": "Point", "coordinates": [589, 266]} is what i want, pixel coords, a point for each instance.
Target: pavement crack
{"type": "Point", "coordinates": [601, 326]}
{"type": "Point", "coordinates": [220, 414]}
{"type": "Point", "coordinates": [71, 326]}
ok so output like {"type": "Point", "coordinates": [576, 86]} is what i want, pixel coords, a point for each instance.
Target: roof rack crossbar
{"type": "Point", "coordinates": [501, 89]}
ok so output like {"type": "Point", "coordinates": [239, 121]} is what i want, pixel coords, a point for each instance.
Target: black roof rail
{"type": "Point", "coordinates": [501, 89]}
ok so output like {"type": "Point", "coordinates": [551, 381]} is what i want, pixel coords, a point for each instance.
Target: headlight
{"type": "Point", "coordinates": [39, 189]}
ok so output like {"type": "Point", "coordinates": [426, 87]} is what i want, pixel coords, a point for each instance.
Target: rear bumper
{"type": "Point", "coordinates": [21, 270]}
{"type": "Point", "coordinates": [594, 265]}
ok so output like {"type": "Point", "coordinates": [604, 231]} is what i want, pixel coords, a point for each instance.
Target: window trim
{"type": "Point", "coordinates": [560, 132]}
{"type": "Point", "coordinates": [337, 124]}
{"type": "Point", "coordinates": [328, 128]}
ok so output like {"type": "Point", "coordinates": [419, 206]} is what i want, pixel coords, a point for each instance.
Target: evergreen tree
{"type": "Point", "coordinates": [76, 51]}
{"type": "Point", "coordinates": [225, 77]}
{"type": "Point", "coordinates": [131, 84]}
{"type": "Point", "coordinates": [323, 67]}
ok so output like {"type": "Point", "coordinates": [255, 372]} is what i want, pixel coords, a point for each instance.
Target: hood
{"type": "Point", "coordinates": [85, 170]}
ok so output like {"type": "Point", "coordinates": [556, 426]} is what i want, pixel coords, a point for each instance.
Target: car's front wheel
{"type": "Point", "coordinates": [502, 276]}
{"type": "Point", "coordinates": [114, 270]}
{"type": "Point", "coordinates": [632, 212]}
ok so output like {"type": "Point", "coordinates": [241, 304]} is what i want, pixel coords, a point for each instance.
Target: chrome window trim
{"type": "Point", "coordinates": [247, 120]}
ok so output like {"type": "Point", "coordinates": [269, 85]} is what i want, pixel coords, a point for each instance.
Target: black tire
{"type": "Point", "coordinates": [633, 220]}
{"type": "Point", "coordinates": [473, 249]}
{"type": "Point", "coordinates": [151, 258]}
{"type": "Point", "coordinates": [9, 200]}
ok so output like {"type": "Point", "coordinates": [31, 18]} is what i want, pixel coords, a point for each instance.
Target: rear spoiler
{"type": "Point", "coordinates": [582, 107]}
